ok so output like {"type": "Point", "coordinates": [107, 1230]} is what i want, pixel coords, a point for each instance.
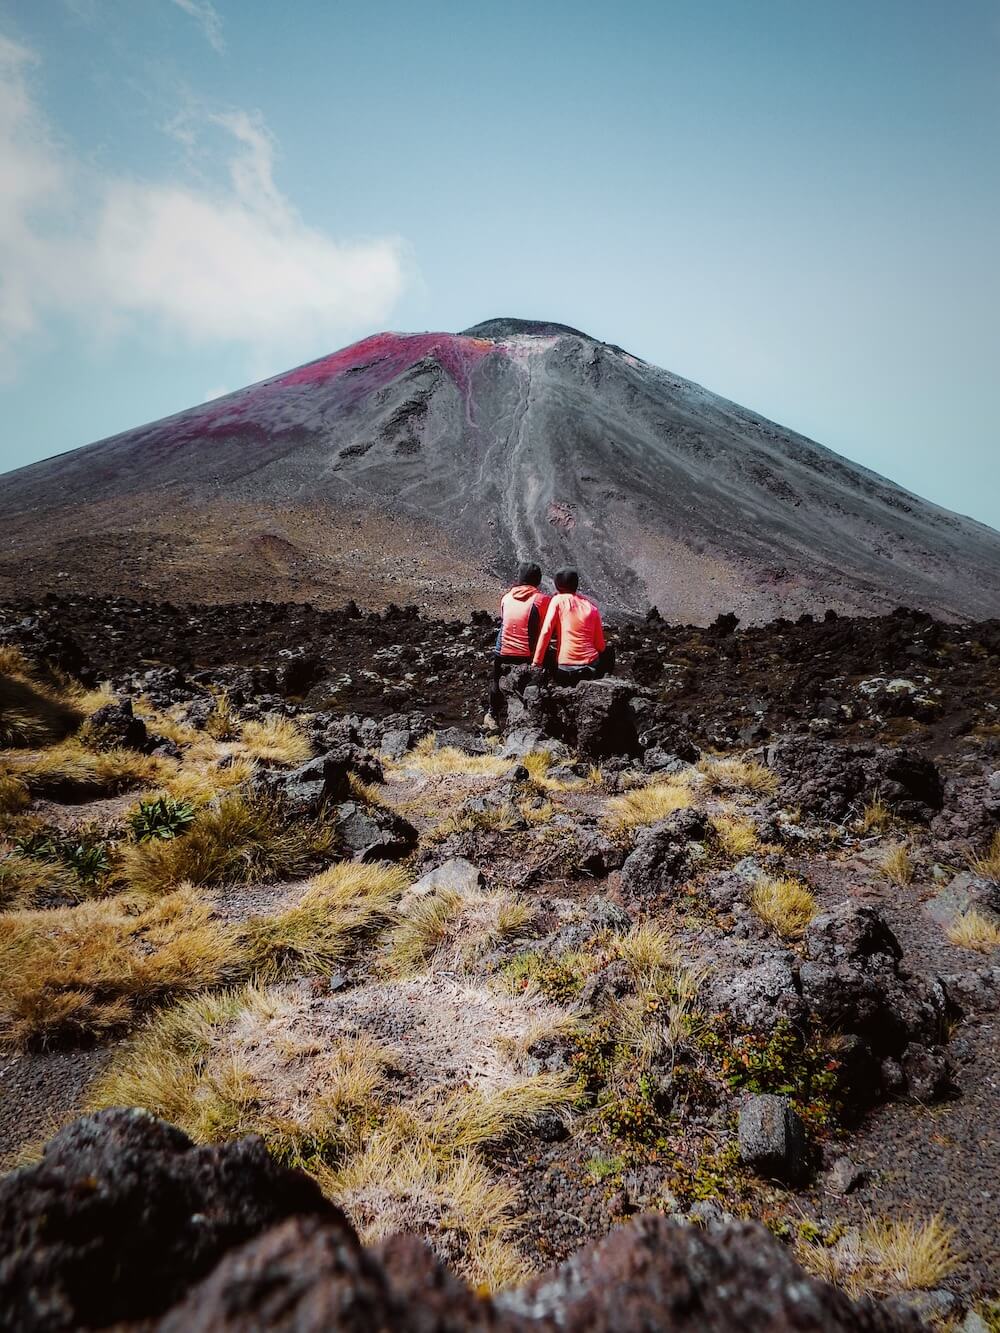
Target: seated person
{"type": "Point", "coordinates": [576, 623]}
{"type": "Point", "coordinates": [521, 612]}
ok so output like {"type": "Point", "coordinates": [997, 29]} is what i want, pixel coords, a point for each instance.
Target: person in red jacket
{"type": "Point", "coordinates": [579, 631]}
{"type": "Point", "coordinates": [521, 612]}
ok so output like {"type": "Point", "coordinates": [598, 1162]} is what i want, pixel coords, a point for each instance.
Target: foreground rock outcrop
{"type": "Point", "coordinates": [124, 1220]}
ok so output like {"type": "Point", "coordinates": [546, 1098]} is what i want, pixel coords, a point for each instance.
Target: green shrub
{"type": "Point", "coordinates": [162, 817]}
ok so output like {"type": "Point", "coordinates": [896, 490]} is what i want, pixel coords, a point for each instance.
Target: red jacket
{"type": "Point", "coordinates": [521, 610]}
{"type": "Point", "coordinates": [576, 622]}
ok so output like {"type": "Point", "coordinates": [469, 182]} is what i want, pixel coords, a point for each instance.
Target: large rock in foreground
{"type": "Point", "coordinates": [125, 1220]}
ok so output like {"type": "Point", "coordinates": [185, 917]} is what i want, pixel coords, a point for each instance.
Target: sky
{"type": "Point", "coordinates": [794, 204]}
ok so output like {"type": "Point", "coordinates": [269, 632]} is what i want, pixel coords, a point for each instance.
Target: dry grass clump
{"type": "Point", "coordinates": [988, 865]}
{"type": "Point", "coordinates": [244, 839]}
{"type": "Point", "coordinates": [736, 837]}
{"type": "Point", "coordinates": [14, 794]}
{"type": "Point", "coordinates": [875, 817]}
{"type": "Point", "coordinates": [399, 1183]}
{"type": "Point", "coordinates": [474, 1119]}
{"type": "Point", "coordinates": [784, 904]}
{"type": "Point", "coordinates": [468, 924]}
{"type": "Point", "coordinates": [165, 724]}
{"type": "Point", "coordinates": [343, 904]}
{"type": "Point", "coordinates": [201, 784]}
{"type": "Point", "coordinates": [969, 930]}
{"type": "Point", "coordinates": [493, 819]}
{"type": "Point", "coordinates": [26, 883]}
{"type": "Point", "coordinates": [649, 804]}
{"type": "Point", "coordinates": [223, 722]}
{"type": "Point", "coordinates": [653, 1019]}
{"type": "Point", "coordinates": [276, 740]}
{"type": "Point", "coordinates": [190, 1065]}
{"type": "Point", "coordinates": [739, 775]}
{"type": "Point", "coordinates": [68, 768]}
{"type": "Point", "coordinates": [87, 969]}
{"type": "Point", "coordinates": [897, 865]}
{"type": "Point", "coordinates": [433, 762]}
{"type": "Point", "coordinates": [33, 711]}
{"type": "Point", "coordinates": [885, 1257]}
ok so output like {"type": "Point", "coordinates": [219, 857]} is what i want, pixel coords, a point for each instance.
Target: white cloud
{"type": "Point", "coordinates": [232, 263]}
{"type": "Point", "coordinates": [207, 18]}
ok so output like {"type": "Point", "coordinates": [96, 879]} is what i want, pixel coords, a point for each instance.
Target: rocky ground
{"type": "Point", "coordinates": [717, 940]}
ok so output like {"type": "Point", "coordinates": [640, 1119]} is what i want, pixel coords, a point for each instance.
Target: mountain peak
{"type": "Point", "coordinates": [507, 327]}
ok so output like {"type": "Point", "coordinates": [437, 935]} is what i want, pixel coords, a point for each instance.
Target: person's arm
{"type": "Point", "coordinates": [544, 634]}
{"type": "Point", "coordinates": [599, 641]}
{"type": "Point", "coordinates": [534, 625]}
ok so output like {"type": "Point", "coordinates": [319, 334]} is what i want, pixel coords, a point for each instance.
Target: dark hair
{"type": "Point", "coordinates": [567, 580]}
{"type": "Point", "coordinates": [529, 573]}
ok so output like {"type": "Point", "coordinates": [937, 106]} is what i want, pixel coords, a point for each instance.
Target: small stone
{"type": "Point", "coordinates": [846, 1176]}
{"type": "Point", "coordinates": [771, 1138]}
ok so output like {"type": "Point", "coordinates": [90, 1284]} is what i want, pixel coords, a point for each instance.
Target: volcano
{"type": "Point", "coordinates": [422, 467]}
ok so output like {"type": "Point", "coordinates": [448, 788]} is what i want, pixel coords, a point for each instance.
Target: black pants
{"type": "Point", "coordinates": [602, 665]}
{"type": "Point", "coordinates": [501, 663]}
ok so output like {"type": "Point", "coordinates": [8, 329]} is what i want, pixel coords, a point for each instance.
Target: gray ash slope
{"type": "Point", "coordinates": [420, 467]}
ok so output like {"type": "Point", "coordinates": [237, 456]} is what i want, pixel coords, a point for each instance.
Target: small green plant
{"type": "Point", "coordinates": [163, 817]}
{"type": "Point", "coordinates": [558, 979]}
{"type": "Point", "coordinates": [88, 856]}
{"type": "Point", "coordinates": [780, 1061]}
{"type": "Point", "coordinates": [631, 1114]}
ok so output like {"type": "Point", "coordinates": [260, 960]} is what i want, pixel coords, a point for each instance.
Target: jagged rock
{"type": "Point", "coordinates": [928, 1072]}
{"type": "Point", "coordinates": [853, 983]}
{"type": "Point", "coordinates": [115, 726]}
{"type": "Point", "coordinates": [306, 789]}
{"type": "Point", "coordinates": [656, 1274]}
{"type": "Point", "coordinates": [754, 990]}
{"type": "Point", "coordinates": [395, 744]}
{"type": "Point", "coordinates": [454, 876]}
{"type": "Point", "coordinates": [373, 833]}
{"type": "Point", "coordinates": [123, 1213]}
{"type": "Point", "coordinates": [660, 858]}
{"type": "Point", "coordinates": [976, 992]}
{"type": "Point", "coordinates": [605, 725]}
{"type": "Point", "coordinates": [830, 780]}
{"type": "Point", "coordinates": [771, 1138]}
{"type": "Point", "coordinates": [456, 739]}
{"type": "Point", "coordinates": [610, 982]}
{"type": "Point", "coordinates": [845, 1176]}
{"type": "Point", "coordinates": [523, 740]}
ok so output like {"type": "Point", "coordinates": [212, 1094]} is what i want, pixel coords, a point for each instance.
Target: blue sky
{"type": "Point", "coordinates": [793, 203]}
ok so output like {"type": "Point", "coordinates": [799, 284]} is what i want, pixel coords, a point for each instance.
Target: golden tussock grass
{"type": "Point", "coordinates": [648, 805]}
{"type": "Point", "coordinates": [244, 839]}
{"type": "Point", "coordinates": [475, 1119]}
{"type": "Point", "coordinates": [14, 794]}
{"type": "Point", "coordinates": [340, 906]}
{"type": "Point", "coordinates": [784, 904]}
{"type": "Point", "coordinates": [25, 882]}
{"type": "Point", "coordinates": [424, 758]}
{"type": "Point", "coordinates": [223, 723]}
{"type": "Point", "coordinates": [739, 775]}
{"type": "Point", "coordinates": [368, 793]}
{"type": "Point", "coordinates": [969, 930]}
{"type": "Point", "coordinates": [469, 924]}
{"type": "Point", "coordinates": [188, 1066]}
{"type": "Point", "coordinates": [87, 969]}
{"type": "Point", "coordinates": [202, 783]}
{"type": "Point", "coordinates": [399, 1183]}
{"type": "Point", "coordinates": [875, 817]}
{"type": "Point", "coordinates": [988, 865]}
{"type": "Point", "coordinates": [897, 865]}
{"type": "Point", "coordinates": [493, 819]}
{"type": "Point", "coordinates": [654, 1018]}
{"type": "Point", "coordinates": [69, 767]}
{"type": "Point", "coordinates": [886, 1257]}
{"type": "Point", "coordinates": [34, 711]}
{"type": "Point", "coordinates": [736, 837]}
{"type": "Point", "coordinates": [276, 740]}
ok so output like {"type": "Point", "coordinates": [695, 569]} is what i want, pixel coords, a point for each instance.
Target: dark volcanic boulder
{"type": "Point", "coordinates": [306, 789]}
{"type": "Point", "coordinates": [374, 833]}
{"type": "Point", "coordinates": [605, 724]}
{"type": "Point", "coordinates": [312, 1275]}
{"type": "Point", "coordinates": [123, 1214]}
{"type": "Point", "coordinates": [660, 859]}
{"type": "Point", "coordinates": [831, 780]}
{"type": "Point", "coordinates": [771, 1138]}
{"type": "Point", "coordinates": [852, 981]}
{"type": "Point", "coordinates": [656, 1274]}
{"type": "Point", "coordinates": [115, 726]}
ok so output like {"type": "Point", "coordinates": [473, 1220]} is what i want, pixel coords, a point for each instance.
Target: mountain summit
{"type": "Point", "coordinates": [421, 467]}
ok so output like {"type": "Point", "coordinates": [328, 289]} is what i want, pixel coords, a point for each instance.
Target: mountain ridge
{"type": "Point", "coordinates": [423, 466]}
